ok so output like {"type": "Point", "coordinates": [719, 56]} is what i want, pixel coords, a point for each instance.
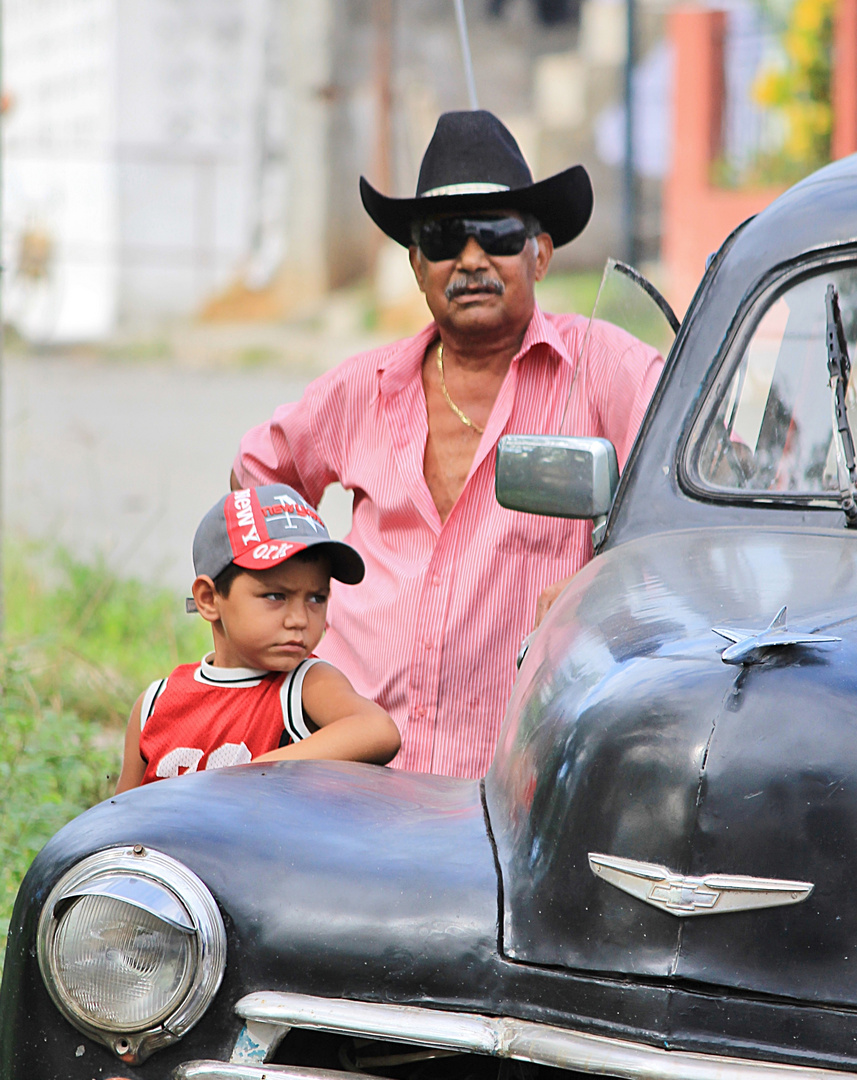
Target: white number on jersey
{"type": "Point", "coordinates": [186, 759]}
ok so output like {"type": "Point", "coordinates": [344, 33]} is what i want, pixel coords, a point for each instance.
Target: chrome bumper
{"type": "Point", "coordinates": [223, 1070]}
{"type": "Point", "coordinates": [268, 1016]}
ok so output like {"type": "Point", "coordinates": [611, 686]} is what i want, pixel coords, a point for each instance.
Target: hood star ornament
{"type": "Point", "coordinates": [749, 646]}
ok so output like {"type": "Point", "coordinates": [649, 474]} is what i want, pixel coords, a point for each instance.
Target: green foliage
{"type": "Point", "coordinates": [620, 301]}
{"type": "Point", "coordinates": [53, 764]}
{"type": "Point", "coordinates": [565, 291]}
{"type": "Point", "coordinates": [253, 356]}
{"type": "Point", "coordinates": [89, 637]}
{"type": "Point", "coordinates": [798, 91]}
{"type": "Point", "coordinates": [81, 645]}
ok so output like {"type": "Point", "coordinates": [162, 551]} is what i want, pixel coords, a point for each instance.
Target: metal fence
{"type": "Point", "coordinates": [749, 131]}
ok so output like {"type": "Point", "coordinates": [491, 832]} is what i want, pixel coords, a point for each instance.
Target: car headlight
{"type": "Point", "coordinates": [132, 949]}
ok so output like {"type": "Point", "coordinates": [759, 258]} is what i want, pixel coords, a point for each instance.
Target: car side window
{"type": "Point", "coordinates": [768, 427]}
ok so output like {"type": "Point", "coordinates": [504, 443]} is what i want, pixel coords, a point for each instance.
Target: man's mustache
{"type": "Point", "coordinates": [477, 281]}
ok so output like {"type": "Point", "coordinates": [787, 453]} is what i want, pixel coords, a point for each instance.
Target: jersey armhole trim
{"type": "Point", "coordinates": [291, 699]}
{"type": "Point", "coordinates": [153, 692]}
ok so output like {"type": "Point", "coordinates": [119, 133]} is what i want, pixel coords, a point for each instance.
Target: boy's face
{"type": "Point", "coordinates": [272, 619]}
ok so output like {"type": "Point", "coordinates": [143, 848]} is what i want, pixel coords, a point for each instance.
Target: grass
{"type": "Point", "coordinates": [80, 646]}
{"type": "Point", "coordinates": [53, 764]}
{"type": "Point", "coordinates": [89, 637]}
{"type": "Point", "coordinates": [562, 292]}
{"type": "Point", "coordinates": [620, 301]}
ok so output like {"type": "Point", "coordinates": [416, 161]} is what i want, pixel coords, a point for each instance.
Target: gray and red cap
{"type": "Point", "coordinates": [261, 527]}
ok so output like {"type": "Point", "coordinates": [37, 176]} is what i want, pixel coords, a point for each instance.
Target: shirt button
{"type": "Point", "coordinates": [435, 579]}
{"type": "Point", "coordinates": [428, 645]}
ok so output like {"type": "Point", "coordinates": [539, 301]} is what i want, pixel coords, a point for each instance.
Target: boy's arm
{"type": "Point", "coordinates": [133, 765]}
{"type": "Point", "coordinates": [350, 727]}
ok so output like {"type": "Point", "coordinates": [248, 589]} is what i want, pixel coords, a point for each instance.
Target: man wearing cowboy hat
{"type": "Point", "coordinates": [453, 580]}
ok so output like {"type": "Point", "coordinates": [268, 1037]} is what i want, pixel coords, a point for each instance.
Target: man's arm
{"type": "Point", "coordinates": [548, 596]}
{"type": "Point", "coordinates": [298, 446]}
{"type": "Point", "coordinates": [624, 372]}
{"type": "Point", "coordinates": [350, 727]}
{"type": "Point", "coordinates": [636, 370]}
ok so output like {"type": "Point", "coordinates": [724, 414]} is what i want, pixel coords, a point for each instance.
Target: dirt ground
{"type": "Point", "coordinates": [111, 451]}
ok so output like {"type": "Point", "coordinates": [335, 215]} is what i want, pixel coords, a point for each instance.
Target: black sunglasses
{"type": "Point", "coordinates": [444, 238]}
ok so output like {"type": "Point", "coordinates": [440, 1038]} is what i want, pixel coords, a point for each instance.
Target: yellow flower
{"type": "Point", "coordinates": [770, 88]}
{"type": "Point", "coordinates": [801, 47]}
{"type": "Point", "coordinates": [797, 87]}
{"type": "Point", "coordinates": [808, 16]}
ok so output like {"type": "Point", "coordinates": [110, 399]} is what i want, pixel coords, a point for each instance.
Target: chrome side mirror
{"type": "Point", "coordinates": [557, 475]}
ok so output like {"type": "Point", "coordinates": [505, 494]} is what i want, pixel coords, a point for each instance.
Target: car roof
{"type": "Point", "coordinates": [817, 214]}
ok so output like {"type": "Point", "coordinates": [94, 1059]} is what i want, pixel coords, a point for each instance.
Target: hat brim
{"type": "Point", "coordinates": [562, 203]}
{"type": "Point", "coordinates": [346, 564]}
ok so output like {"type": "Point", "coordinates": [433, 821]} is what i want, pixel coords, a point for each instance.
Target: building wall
{"type": "Point", "coordinates": [59, 197]}
{"type": "Point", "coordinates": [188, 149]}
{"type": "Point", "coordinates": [146, 158]}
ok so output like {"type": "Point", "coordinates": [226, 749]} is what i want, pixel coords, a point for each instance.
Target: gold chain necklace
{"type": "Point", "coordinates": [463, 417]}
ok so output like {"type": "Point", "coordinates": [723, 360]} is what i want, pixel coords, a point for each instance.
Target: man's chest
{"type": "Point", "coordinates": [448, 458]}
{"type": "Point", "coordinates": [409, 451]}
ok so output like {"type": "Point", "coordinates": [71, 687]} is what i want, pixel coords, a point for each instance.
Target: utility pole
{"type": "Point", "coordinates": [3, 106]}
{"type": "Point", "coordinates": [629, 179]}
{"type": "Point", "coordinates": [382, 166]}
{"type": "Point", "coordinates": [465, 54]}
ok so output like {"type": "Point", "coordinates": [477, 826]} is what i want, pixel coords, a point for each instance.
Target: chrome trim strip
{"type": "Point", "coordinates": [504, 1037]}
{"type": "Point", "coordinates": [220, 1070]}
{"type": "Point", "coordinates": [467, 1032]}
{"type": "Point", "coordinates": [135, 891]}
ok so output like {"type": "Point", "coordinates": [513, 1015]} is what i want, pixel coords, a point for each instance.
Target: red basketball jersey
{"type": "Point", "coordinates": [203, 717]}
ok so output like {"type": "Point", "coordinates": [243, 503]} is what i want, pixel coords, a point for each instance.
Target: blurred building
{"type": "Point", "coordinates": [166, 158]}
{"type": "Point", "coordinates": [144, 157]}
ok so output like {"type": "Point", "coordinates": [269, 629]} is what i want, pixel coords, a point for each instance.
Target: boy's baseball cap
{"type": "Point", "coordinates": [261, 527]}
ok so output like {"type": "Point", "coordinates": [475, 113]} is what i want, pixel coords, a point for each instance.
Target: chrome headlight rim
{"type": "Point", "coordinates": [187, 897]}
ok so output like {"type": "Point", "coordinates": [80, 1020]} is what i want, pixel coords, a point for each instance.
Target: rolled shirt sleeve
{"type": "Point", "coordinates": [284, 449]}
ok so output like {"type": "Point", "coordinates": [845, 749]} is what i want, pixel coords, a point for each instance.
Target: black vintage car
{"type": "Point", "coordinates": [655, 878]}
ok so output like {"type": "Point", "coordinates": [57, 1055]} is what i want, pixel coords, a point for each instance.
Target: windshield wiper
{"type": "Point", "coordinates": [839, 368]}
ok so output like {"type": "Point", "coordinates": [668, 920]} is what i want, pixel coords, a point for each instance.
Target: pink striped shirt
{"type": "Point", "coordinates": [432, 632]}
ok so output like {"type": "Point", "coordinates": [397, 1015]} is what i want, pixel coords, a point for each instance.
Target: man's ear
{"type": "Point", "coordinates": [544, 254]}
{"type": "Point", "coordinates": [416, 266]}
{"type": "Point", "coordinates": [205, 598]}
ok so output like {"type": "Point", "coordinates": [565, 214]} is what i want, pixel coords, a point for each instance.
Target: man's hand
{"type": "Point", "coordinates": [548, 596]}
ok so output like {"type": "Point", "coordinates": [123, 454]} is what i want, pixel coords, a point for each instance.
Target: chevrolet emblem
{"type": "Point", "coordinates": [713, 894]}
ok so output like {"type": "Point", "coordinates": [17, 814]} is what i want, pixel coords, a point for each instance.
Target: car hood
{"type": "Point", "coordinates": [628, 736]}
{"type": "Point", "coordinates": [309, 861]}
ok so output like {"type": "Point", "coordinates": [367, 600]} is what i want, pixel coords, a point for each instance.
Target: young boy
{"type": "Point", "coordinates": [263, 560]}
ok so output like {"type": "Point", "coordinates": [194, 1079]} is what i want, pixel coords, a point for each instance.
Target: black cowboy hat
{"type": "Point", "coordinates": [473, 164]}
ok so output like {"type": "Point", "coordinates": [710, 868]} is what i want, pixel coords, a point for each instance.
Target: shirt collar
{"type": "Point", "coordinates": [210, 673]}
{"type": "Point", "coordinates": [400, 363]}
{"type": "Point", "coordinates": [542, 331]}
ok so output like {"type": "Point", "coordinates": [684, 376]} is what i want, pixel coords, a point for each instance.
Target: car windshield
{"type": "Point", "coordinates": [767, 426]}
